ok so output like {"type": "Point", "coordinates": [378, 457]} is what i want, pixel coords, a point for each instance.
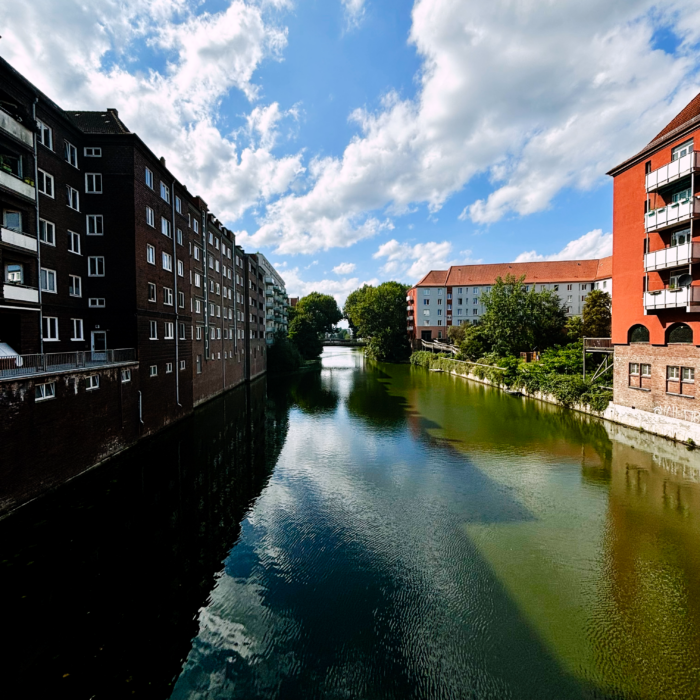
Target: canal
{"type": "Point", "coordinates": [366, 531]}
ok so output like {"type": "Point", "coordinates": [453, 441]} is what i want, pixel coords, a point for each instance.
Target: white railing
{"type": "Point", "coordinates": [16, 292]}
{"type": "Point", "coordinates": [30, 365]}
{"type": "Point", "coordinates": [12, 126]}
{"type": "Point", "coordinates": [18, 239]}
{"type": "Point", "coordinates": [16, 185]}
{"type": "Point", "coordinates": [672, 214]}
{"type": "Point", "coordinates": [675, 170]}
{"type": "Point", "coordinates": [671, 298]}
{"type": "Point", "coordinates": [672, 257]}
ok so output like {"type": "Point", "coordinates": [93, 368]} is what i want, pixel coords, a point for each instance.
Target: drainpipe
{"type": "Point", "coordinates": [176, 301]}
{"type": "Point", "coordinates": [38, 242]}
{"type": "Point", "coordinates": [140, 408]}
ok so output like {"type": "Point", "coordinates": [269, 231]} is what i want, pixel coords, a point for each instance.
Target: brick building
{"type": "Point", "coordinates": [656, 308]}
{"type": "Point", "coordinates": [451, 297]}
{"type": "Point", "coordinates": [122, 297]}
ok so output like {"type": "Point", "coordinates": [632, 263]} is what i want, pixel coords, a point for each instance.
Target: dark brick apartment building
{"type": "Point", "coordinates": [124, 303]}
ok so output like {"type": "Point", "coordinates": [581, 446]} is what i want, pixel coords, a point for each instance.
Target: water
{"type": "Point", "coordinates": [369, 531]}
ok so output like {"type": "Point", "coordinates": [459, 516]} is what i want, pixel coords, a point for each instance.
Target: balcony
{"type": "Point", "coordinates": [673, 171]}
{"type": "Point", "coordinates": [672, 214]}
{"type": "Point", "coordinates": [13, 183]}
{"type": "Point", "coordinates": [18, 366]}
{"type": "Point", "coordinates": [672, 298]}
{"type": "Point", "coordinates": [18, 239]}
{"type": "Point", "coordinates": [11, 126]}
{"type": "Point", "coordinates": [672, 257]}
{"type": "Point", "coordinates": [17, 292]}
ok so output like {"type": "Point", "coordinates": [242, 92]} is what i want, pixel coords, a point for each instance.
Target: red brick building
{"type": "Point", "coordinates": [452, 297]}
{"type": "Point", "coordinates": [656, 308]}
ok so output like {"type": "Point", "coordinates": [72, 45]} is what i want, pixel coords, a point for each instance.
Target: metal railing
{"type": "Point", "coordinates": [440, 347]}
{"type": "Point", "coordinates": [597, 343]}
{"type": "Point", "coordinates": [48, 363]}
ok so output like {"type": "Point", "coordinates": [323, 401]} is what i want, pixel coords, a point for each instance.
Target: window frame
{"type": "Point", "coordinates": [50, 323]}
{"type": "Point", "coordinates": [70, 150]}
{"type": "Point", "coordinates": [71, 286]}
{"type": "Point", "coordinates": [152, 297]}
{"type": "Point", "coordinates": [95, 260]}
{"type": "Point", "coordinates": [150, 254]}
{"type": "Point", "coordinates": [43, 128]}
{"type": "Point", "coordinates": [44, 395]}
{"type": "Point", "coordinates": [94, 303]}
{"type": "Point", "coordinates": [96, 178]}
{"type": "Point", "coordinates": [72, 194]}
{"type": "Point", "coordinates": [153, 330]}
{"type": "Point", "coordinates": [47, 177]}
{"type": "Point", "coordinates": [73, 236]}
{"type": "Point", "coordinates": [95, 152]}
{"type": "Point", "coordinates": [49, 274]}
{"type": "Point", "coordinates": [78, 323]}
{"type": "Point", "coordinates": [148, 178]}
{"type": "Point", "coordinates": [150, 217]}
{"type": "Point", "coordinates": [47, 223]}
{"type": "Point", "coordinates": [126, 375]}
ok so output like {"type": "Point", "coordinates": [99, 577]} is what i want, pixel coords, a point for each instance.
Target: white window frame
{"type": "Point", "coordinates": [45, 391]}
{"type": "Point", "coordinates": [93, 183]}
{"type": "Point", "coordinates": [44, 227]}
{"type": "Point", "coordinates": [182, 365]}
{"type": "Point", "coordinates": [96, 302]}
{"type": "Point", "coordinates": [180, 268]}
{"type": "Point", "coordinates": [43, 130]}
{"type": "Point", "coordinates": [94, 225]}
{"type": "Point", "coordinates": [72, 286]}
{"type": "Point", "coordinates": [74, 238]}
{"type": "Point", "coordinates": [153, 371]}
{"type": "Point", "coordinates": [150, 217]}
{"type": "Point", "coordinates": [126, 375]}
{"type": "Point", "coordinates": [181, 300]}
{"type": "Point", "coordinates": [92, 382]}
{"type": "Point", "coordinates": [167, 261]}
{"type": "Point", "coordinates": [153, 330]}
{"type": "Point", "coordinates": [48, 274]}
{"type": "Point", "coordinates": [148, 178]}
{"type": "Point", "coordinates": [70, 153]}
{"type": "Point", "coordinates": [150, 254]}
{"type": "Point", "coordinates": [178, 205]}
{"type": "Point", "coordinates": [152, 288]}
{"type": "Point", "coordinates": [196, 252]}
{"type": "Point", "coordinates": [46, 178]}
{"type": "Point", "coordinates": [164, 192]}
{"type": "Point", "coordinates": [169, 330]}
{"type": "Point", "coordinates": [168, 367]}
{"type": "Point", "coordinates": [167, 296]}
{"type": "Point", "coordinates": [72, 197]}
{"type": "Point", "coordinates": [92, 152]}
{"type": "Point", "coordinates": [78, 329]}
{"type": "Point", "coordinates": [49, 327]}
{"type": "Point", "coordinates": [166, 227]}
{"type": "Point", "coordinates": [95, 262]}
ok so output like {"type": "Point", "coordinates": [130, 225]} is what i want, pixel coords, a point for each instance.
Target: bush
{"type": "Point", "coordinates": [283, 356]}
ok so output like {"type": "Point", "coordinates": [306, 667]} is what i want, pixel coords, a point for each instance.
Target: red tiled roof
{"type": "Point", "coordinates": [691, 110]}
{"type": "Point", "coordinates": [535, 272]}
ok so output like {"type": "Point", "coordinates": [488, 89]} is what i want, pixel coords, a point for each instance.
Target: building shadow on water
{"type": "Point", "coordinates": [101, 580]}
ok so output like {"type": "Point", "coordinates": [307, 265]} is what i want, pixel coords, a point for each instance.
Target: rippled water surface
{"type": "Point", "coordinates": [367, 531]}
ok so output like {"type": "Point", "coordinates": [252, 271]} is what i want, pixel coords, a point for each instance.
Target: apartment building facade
{"type": "Point", "coordinates": [452, 297]}
{"type": "Point", "coordinates": [656, 309]}
{"type": "Point", "coordinates": [276, 299]}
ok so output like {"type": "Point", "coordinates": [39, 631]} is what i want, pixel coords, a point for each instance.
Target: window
{"type": "Point", "coordinates": [70, 153]}
{"type": "Point", "coordinates": [45, 135]}
{"type": "Point", "coordinates": [92, 152]}
{"type": "Point", "coordinates": [168, 367]}
{"type": "Point", "coordinates": [634, 368]}
{"type": "Point", "coordinates": [48, 280]}
{"type": "Point", "coordinates": [556, 287]}
{"type": "Point", "coordinates": [180, 268]}
{"type": "Point", "coordinates": [476, 300]}
{"type": "Point", "coordinates": [167, 296]}
{"type": "Point", "coordinates": [72, 198]}
{"type": "Point", "coordinates": [169, 330]}
{"type": "Point", "coordinates": [682, 150]}
{"type": "Point", "coordinates": [179, 236]}
{"type": "Point", "coordinates": [568, 287]}
{"type": "Point", "coordinates": [680, 333]}
{"type": "Point", "coordinates": [211, 286]}
{"type": "Point", "coordinates": [165, 192]}
{"type": "Point", "coordinates": [96, 303]}
{"type": "Point", "coordinates": [165, 227]}
{"type": "Point", "coordinates": [75, 286]}
{"type": "Point", "coordinates": [439, 301]}
{"type": "Point", "coordinates": [645, 370]}
{"type": "Point", "coordinates": [673, 373]}
{"type": "Point", "coordinates": [439, 291]}
{"type": "Point", "coordinates": [439, 312]}
{"type": "Point", "coordinates": [688, 374]}
{"type": "Point", "coordinates": [570, 298]}
{"type": "Point", "coordinates": [197, 306]}
{"type": "Point", "coordinates": [50, 328]}
{"type": "Point", "coordinates": [77, 329]}
{"type": "Point", "coordinates": [182, 335]}
{"type": "Point", "coordinates": [151, 291]}
{"type": "Point", "coordinates": [197, 279]}
{"type": "Point", "coordinates": [178, 205]}
{"type": "Point", "coordinates": [153, 371]}
{"type": "Point", "coordinates": [195, 226]}
{"type": "Point", "coordinates": [47, 232]}
{"type": "Point", "coordinates": [150, 217]}
{"type": "Point", "coordinates": [211, 238]}
{"type": "Point", "coordinates": [196, 253]}
{"type": "Point", "coordinates": [151, 254]}
{"type": "Point", "coordinates": [216, 265]}
{"type": "Point", "coordinates": [153, 330]}
{"type": "Point", "coordinates": [93, 183]}
{"type": "Point", "coordinates": [44, 391]}
{"type": "Point", "coordinates": [96, 266]}
{"type": "Point", "coordinates": [199, 332]}
{"type": "Point", "coordinates": [680, 237]}
{"type": "Point", "coordinates": [475, 312]}
{"type": "Point", "coordinates": [459, 301]}
{"type": "Point", "coordinates": [167, 261]}
{"type": "Point", "coordinates": [74, 242]}
{"type": "Point", "coordinates": [149, 178]}
{"type": "Point", "coordinates": [94, 225]}
{"type": "Point", "coordinates": [126, 376]}
{"type": "Point", "coordinates": [199, 364]}
{"type": "Point", "coordinates": [45, 183]}
{"type": "Point", "coordinates": [181, 299]}
{"type": "Point", "coordinates": [182, 364]}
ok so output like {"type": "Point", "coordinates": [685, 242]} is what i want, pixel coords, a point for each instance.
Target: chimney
{"type": "Point", "coordinates": [113, 111]}
{"type": "Point", "coordinates": [162, 161]}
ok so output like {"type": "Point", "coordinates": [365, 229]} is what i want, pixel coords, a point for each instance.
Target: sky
{"type": "Point", "coordinates": [357, 141]}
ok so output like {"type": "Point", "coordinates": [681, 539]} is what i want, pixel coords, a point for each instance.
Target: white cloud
{"type": "Point", "coordinates": [592, 245]}
{"type": "Point", "coordinates": [344, 268]}
{"type": "Point", "coordinates": [408, 262]}
{"type": "Point", "coordinates": [538, 96]}
{"type": "Point", "coordinates": [67, 50]}
{"type": "Point", "coordinates": [339, 289]}
{"type": "Point", "coordinates": [354, 11]}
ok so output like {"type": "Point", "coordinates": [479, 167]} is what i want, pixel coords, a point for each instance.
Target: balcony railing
{"type": "Point", "coordinates": [672, 298]}
{"type": "Point", "coordinates": [673, 171]}
{"type": "Point", "coordinates": [672, 257]}
{"type": "Point", "coordinates": [672, 214]}
{"type": "Point", "coordinates": [13, 127]}
{"type": "Point", "coordinates": [598, 344]}
{"type": "Point", "coordinates": [49, 363]}
{"type": "Point", "coordinates": [15, 184]}
{"type": "Point", "coordinates": [18, 292]}
{"type": "Point", "coordinates": [18, 239]}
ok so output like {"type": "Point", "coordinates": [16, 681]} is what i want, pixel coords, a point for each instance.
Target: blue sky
{"type": "Point", "coordinates": [356, 141]}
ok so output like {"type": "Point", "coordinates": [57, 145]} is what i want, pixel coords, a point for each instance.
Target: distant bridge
{"type": "Point", "coordinates": [344, 343]}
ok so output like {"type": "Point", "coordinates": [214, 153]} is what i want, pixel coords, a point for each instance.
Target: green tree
{"type": "Point", "coordinates": [456, 334]}
{"type": "Point", "coordinates": [519, 319]}
{"type": "Point", "coordinates": [322, 309]}
{"type": "Point", "coordinates": [597, 317]}
{"type": "Point", "coordinates": [474, 344]}
{"type": "Point", "coordinates": [574, 328]}
{"type": "Point", "coordinates": [378, 314]}
{"type": "Point", "coordinates": [283, 355]}
{"type": "Point", "coordinates": [305, 336]}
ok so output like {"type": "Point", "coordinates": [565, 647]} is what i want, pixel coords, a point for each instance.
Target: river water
{"type": "Point", "coordinates": [366, 531]}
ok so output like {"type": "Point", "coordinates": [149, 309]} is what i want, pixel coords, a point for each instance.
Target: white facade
{"type": "Point", "coordinates": [276, 299]}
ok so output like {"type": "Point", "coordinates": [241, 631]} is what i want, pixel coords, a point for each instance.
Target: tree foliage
{"type": "Point", "coordinates": [597, 317]}
{"type": "Point", "coordinates": [378, 314]}
{"type": "Point", "coordinates": [322, 309]}
{"type": "Point", "coordinates": [518, 319]}
{"type": "Point", "coordinates": [283, 356]}
{"type": "Point", "coordinates": [574, 328]}
{"type": "Point", "coordinates": [305, 336]}
{"type": "Point", "coordinates": [474, 344]}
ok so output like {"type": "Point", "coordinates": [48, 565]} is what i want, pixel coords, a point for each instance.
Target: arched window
{"type": "Point", "coordinates": [679, 333]}
{"type": "Point", "coordinates": [639, 334]}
